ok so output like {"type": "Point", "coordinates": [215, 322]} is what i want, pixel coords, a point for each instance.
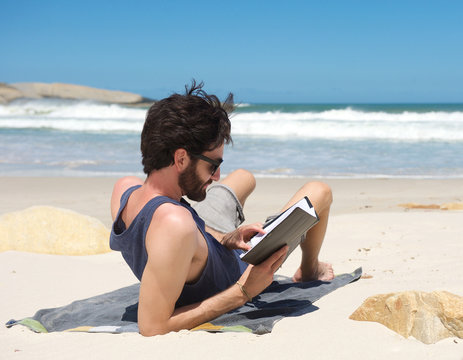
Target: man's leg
{"type": "Point", "coordinates": [226, 215]}
{"type": "Point", "coordinates": [321, 198]}
{"type": "Point", "coordinates": [242, 182]}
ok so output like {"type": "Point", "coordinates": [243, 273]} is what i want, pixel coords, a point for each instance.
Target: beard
{"type": "Point", "coordinates": [191, 184]}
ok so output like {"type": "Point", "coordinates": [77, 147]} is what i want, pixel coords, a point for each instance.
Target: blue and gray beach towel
{"type": "Point", "coordinates": [116, 311]}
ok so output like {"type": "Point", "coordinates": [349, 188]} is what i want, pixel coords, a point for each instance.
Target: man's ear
{"type": "Point", "coordinates": [181, 159]}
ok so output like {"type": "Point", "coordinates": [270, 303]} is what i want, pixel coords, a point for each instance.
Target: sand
{"type": "Point", "coordinates": [401, 249]}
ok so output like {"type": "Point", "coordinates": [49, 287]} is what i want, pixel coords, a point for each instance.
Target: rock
{"type": "Point", "coordinates": [50, 230]}
{"type": "Point", "coordinates": [429, 317]}
{"type": "Point", "coordinates": [9, 92]}
{"type": "Point", "coordinates": [419, 206]}
{"type": "Point", "coordinates": [446, 206]}
{"type": "Point", "coordinates": [452, 206]}
{"type": "Point", "coordinates": [70, 91]}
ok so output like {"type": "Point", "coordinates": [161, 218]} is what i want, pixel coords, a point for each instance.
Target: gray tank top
{"type": "Point", "coordinates": [223, 267]}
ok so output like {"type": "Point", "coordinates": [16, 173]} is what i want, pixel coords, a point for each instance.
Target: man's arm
{"type": "Point", "coordinates": [171, 248]}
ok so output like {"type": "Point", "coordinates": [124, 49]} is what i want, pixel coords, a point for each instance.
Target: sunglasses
{"type": "Point", "coordinates": [215, 163]}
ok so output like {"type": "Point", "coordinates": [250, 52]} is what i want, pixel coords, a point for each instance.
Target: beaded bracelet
{"type": "Point", "coordinates": [243, 290]}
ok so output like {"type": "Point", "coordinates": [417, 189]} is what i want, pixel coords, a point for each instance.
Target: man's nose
{"type": "Point", "coordinates": [216, 176]}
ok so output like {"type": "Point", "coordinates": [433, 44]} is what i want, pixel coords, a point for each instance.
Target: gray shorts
{"type": "Point", "coordinates": [221, 210]}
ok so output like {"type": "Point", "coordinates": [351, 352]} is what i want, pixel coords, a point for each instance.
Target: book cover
{"type": "Point", "coordinates": [288, 228]}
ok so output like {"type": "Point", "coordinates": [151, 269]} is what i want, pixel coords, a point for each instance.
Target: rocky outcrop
{"type": "Point", "coordinates": [50, 230]}
{"type": "Point", "coordinates": [10, 92]}
{"type": "Point", "coordinates": [429, 317]}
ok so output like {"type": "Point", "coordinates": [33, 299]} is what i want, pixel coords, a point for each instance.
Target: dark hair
{"type": "Point", "coordinates": [196, 122]}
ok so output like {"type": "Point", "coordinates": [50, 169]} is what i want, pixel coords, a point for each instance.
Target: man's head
{"type": "Point", "coordinates": [195, 121]}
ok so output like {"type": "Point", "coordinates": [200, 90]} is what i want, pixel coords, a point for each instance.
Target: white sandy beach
{"type": "Point", "coordinates": [401, 249]}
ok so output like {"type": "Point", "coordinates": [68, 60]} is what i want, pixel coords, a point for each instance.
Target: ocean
{"type": "Point", "coordinates": [50, 137]}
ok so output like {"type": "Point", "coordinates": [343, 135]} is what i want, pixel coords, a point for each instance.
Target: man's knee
{"type": "Point", "coordinates": [248, 177]}
{"type": "Point", "coordinates": [245, 177]}
{"type": "Point", "coordinates": [320, 190]}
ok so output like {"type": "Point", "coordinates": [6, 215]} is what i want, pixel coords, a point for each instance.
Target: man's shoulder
{"type": "Point", "coordinates": [169, 211]}
{"type": "Point", "coordinates": [124, 183]}
{"type": "Point", "coordinates": [173, 217]}
{"type": "Point", "coordinates": [173, 230]}
{"type": "Point", "coordinates": [121, 186]}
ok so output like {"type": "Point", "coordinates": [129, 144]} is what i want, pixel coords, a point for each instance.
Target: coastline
{"type": "Point", "coordinates": [401, 249]}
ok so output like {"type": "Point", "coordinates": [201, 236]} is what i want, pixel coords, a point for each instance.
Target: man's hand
{"type": "Point", "coordinates": [239, 238]}
{"type": "Point", "coordinates": [257, 277]}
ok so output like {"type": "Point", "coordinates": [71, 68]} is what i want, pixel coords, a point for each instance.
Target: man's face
{"type": "Point", "coordinates": [195, 179]}
{"type": "Point", "coordinates": [191, 183]}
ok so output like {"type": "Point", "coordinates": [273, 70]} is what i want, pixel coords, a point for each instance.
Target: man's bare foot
{"type": "Point", "coordinates": [323, 272]}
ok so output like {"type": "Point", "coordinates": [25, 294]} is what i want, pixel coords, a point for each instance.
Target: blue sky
{"type": "Point", "coordinates": [262, 51]}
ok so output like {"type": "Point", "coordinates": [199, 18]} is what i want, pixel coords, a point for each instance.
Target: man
{"type": "Point", "coordinates": [187, 276]}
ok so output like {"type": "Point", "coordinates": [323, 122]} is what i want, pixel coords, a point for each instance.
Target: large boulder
{"type": "Point", "coordinates": [50, 230]}
{"type": "Point", "coordinates": [429, 317]}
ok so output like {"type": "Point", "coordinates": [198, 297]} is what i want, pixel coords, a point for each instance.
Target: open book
{"type": "Point", "coordinates": [286, 229]}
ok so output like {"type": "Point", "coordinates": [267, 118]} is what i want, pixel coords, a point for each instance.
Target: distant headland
{"type": "Point", "coordinates": [33, 90]}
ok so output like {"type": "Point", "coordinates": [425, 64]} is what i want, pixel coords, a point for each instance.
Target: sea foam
{"type": "Point", "coordinates": [351, 124]}
{"type": "Point", "coordinates": [334, 124]}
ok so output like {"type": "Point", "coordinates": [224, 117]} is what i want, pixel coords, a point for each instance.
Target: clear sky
{"type": "Point", "coordinates": [308, 51]}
